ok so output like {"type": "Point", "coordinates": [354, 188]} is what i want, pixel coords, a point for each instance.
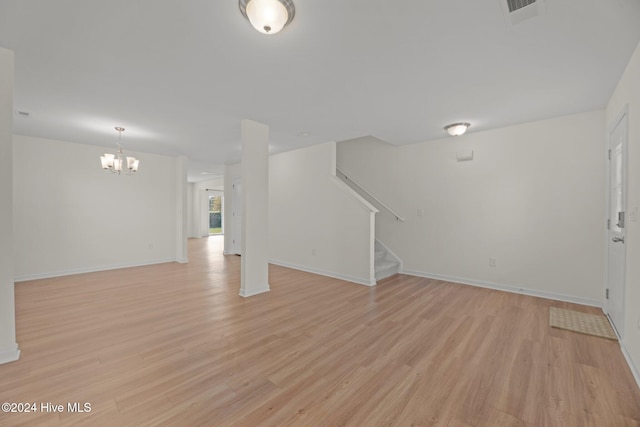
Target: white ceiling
{"type": "Point", "coordinates": [180, 75]}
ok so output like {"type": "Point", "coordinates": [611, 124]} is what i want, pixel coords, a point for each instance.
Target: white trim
{"type": "Point", "coordinates": [372, 248]}
{"type": "Point", "coordinates": [632, 366]}
{"type": "Point", "coordinates": [357, 280]}
{"type": "Point", "coordinates": [605, 273]}
{"type": "Point", "coordinates": [182, 260]}
{"type": "Point", "coordinates": [70, 272]}
{"type": "Point", "coordinates": [507, 288]}
{"type": "Point", "coordinates": [624, 113]}
{"type": "Point", "coordinates": [9, 355]}
{"type": "Point", "coordinates": [247, 294]}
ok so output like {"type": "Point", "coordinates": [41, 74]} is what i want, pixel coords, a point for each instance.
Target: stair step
{"type": "Point", "coordinates": [386, 264]}
{"type": "Point", "coordinates": [386, 268]}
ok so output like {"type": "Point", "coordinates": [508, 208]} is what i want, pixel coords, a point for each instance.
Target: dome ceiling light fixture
{"type": "Point", "coordinates": [268, 16]}
{"type": "Point", "coordinates": [457, 129]}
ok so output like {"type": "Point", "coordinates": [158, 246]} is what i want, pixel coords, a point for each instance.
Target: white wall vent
{"type": "Point", "coordinates": [516, 11]}
{"type": "Point", "coordinates": [518, 4]}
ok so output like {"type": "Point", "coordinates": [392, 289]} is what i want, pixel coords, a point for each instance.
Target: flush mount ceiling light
{"type": "Point", "coordinates": [457, 129]}
{"type": "Point", "coordinates": [268, 16]}
{"type": "Point", "coordinates": [114, 162]}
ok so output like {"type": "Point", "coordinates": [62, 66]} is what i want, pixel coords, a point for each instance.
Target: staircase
{"type": "Point", "coordinates": [386, 264]}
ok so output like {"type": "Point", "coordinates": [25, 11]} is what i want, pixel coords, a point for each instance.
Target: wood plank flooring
{"type": "Point", "coordinates": [174, 345]}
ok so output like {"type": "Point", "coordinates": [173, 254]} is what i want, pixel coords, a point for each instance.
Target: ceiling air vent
{"type": "Point", "coordinates": [516, 11]}
{"type": "Point", "coordinates": [518, 4]}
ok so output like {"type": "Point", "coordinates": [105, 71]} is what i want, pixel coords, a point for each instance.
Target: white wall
{"type": "Point", "coordinates": [315, 222]}
{"type": "Point", "coordinates": [71, 216]}
{"type": "Point", "coordinates": [197, 216]}
{"type": "Point", "coordinates": [627, 93]}
{"type": "Point", "coordinates": [8, 347]}
{"type": "Point", "coordinates": [532, 198]}
{"type": "Point", "coordinates": [192, 215]}
{"type": "Point", "coordinates": [182, 210]}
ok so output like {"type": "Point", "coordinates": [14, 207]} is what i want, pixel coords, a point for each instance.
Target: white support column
{"type": "Point", "coordinates": [8, 346]}
{"type": "Point", "coordinates": [181, 210]}
{"type": "Point", "coordinates": [255, 191]}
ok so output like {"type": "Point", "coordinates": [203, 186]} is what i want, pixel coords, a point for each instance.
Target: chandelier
{"type": "Point", "coordinates": [114, 163]}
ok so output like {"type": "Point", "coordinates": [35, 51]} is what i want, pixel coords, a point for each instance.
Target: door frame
{"type": "Point", "coordinates": [237, 206]}
{"type": "Point", "coordinates": [624, 113]}
{"type": "Point", "coordinates": [210, 194]}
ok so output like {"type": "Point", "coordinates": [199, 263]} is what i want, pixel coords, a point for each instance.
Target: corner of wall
{"type": "Point", "coordinates": [8, 347]}
{"type": "Point", "coordinates": [316, 222]}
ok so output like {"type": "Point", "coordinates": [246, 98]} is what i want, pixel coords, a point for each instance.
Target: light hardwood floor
{"type": "Point", "coordinates": [174, 345]}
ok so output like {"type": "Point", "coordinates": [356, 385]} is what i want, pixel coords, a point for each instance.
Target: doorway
{"type": "Point", "coordinates": [616, 226]}
{"type": "Point", "coordinates": [215, 215]}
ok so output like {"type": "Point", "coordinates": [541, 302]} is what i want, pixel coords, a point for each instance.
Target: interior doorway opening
{"type": "Point", "coordinates": [216, 226]}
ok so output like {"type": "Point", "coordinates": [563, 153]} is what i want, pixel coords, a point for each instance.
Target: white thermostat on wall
{"type": "Point", "coordinates": [464, 155]}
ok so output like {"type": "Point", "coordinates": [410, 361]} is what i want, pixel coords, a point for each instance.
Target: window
{"type": "Point", "coordinates": [215, 214]}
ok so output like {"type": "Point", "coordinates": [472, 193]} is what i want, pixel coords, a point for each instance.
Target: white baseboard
{"type": "Point", "coordinates": [507, 288]}
{"type": "Point", "coordinates": [252, 292]}
{"type": "Point", "coordinates": [632, 366]}
{"type": "Point", "coordinates": [358, 280]}
{"type": "Point", "coordinates": [182, 260]}
{"type": "Point", "coordinates": [10, 354]}
{"type": "Point", "coordinates": [25, 277]}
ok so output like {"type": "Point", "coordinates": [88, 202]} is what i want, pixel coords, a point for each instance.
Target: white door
{"type": "Point", "coordinates": [616, 224]}
{"type": "Point", "coordinates": [236, 221]}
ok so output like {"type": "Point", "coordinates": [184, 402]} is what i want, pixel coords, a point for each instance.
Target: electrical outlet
{"type": "Point", "coordinates": [420, 212]}
{"type": "Point", "coordinates": [492, 262]}
{"type": "Point", "coordinates": [313, 251]}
